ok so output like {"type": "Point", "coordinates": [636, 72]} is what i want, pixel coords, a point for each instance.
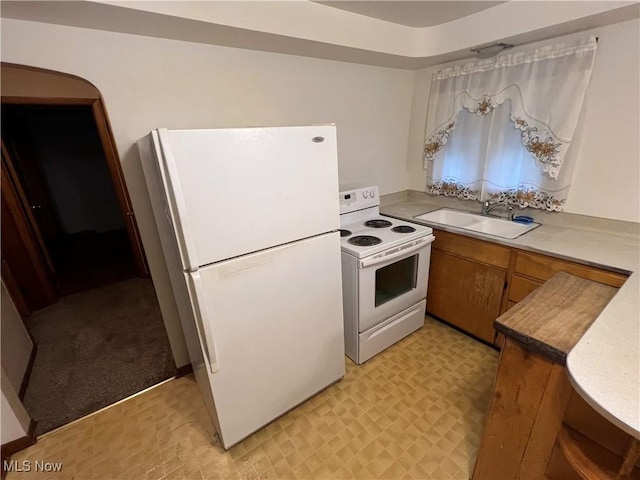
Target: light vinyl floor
{"type": "Point", "coordinates": [414, 411]}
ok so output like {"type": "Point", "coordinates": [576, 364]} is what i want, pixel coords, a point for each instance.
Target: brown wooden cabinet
{"type": "Point", "coordinates": [466, 282]}
{"type": "Point", "coordinates": [543, 267]}
{"type": "Point", "coordinates": [465, 293]}
{"type": "Point", "coordinates": [472, 281]}
{"type": "Point", "coordinates": [530, 270]}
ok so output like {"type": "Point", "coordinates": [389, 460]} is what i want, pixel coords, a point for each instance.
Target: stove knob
{"type": "Point", "coordinates": [365, 194]}
{"type": "Point", "coordinates": [372, 193]}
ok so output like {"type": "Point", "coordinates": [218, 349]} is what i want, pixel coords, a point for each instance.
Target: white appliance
{"type": "Point", "coordinates": [248, 222]}
{"type": "Point", "coordinates": [385, 270]}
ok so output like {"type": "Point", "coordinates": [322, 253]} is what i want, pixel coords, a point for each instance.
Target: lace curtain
{"type": "Point", "coordinates": [499, 129]}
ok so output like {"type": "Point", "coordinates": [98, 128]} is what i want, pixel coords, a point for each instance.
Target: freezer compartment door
{"type": "Point", "coordinates": [275, 318]}
{"type": "Point", "coordinates": [237, 191]}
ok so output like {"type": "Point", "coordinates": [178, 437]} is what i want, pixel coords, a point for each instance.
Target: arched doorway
{"type": "Point", "coordinates": [42, 109]}
{"type": "Point", "coordinates": [72, 259]}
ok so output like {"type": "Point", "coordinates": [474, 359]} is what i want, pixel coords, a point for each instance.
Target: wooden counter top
{"type": "Point", "coordinates": [552, 319]}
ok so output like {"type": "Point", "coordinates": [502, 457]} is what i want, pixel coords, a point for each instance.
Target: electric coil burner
{"type": "Point", "coordinates": [385, 270]}
{"type": "Point", "coordinates": [377, 223]}
{"type": "Point", "coordinates": [364, 240]}
{"type": "Point", "coordinates": [344, 233]}
{"type": "Point", "coordinates": [403, 229]}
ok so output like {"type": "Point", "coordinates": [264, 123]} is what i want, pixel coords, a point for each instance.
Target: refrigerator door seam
{"type": "Point", "coordinates": [273, 247]}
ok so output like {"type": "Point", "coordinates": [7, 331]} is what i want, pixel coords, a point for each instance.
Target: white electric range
{"type": "Point", "coordinates": [385, 270]}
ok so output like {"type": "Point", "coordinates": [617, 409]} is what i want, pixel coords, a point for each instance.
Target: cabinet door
{"type": "Point", "coordinates": [521, 287]}
{"type": "Point", "coordinates": [465, 293]}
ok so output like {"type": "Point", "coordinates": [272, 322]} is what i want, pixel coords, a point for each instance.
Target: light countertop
{"type": "Point", "coordinates": [604, 366]}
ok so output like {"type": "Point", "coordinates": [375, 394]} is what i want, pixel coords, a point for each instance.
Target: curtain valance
{"type": "Point", "coordinates": [541, 89]}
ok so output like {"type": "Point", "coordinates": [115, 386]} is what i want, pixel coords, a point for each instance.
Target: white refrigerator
{"type": "Point", "coordinates": [248, 221]}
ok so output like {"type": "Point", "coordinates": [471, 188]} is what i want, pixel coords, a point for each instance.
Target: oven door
{"type": "Point", "coordinates": [392, 281]}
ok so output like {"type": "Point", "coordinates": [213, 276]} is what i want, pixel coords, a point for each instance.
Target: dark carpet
{"type": "Point", "coordinates": [95, 348]}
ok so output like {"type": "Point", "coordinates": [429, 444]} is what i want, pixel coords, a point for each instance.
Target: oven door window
{"type": "Point", "coordinates": [396, 279]}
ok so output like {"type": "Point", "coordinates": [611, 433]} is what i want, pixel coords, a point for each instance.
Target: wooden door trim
{"type": "Point", "coordinates": [14, 290]}
{"type": "Point", "coordinates": [27, 235]}
{"type": "Point", "coordinates": [115, 168]}
{"type": "Point", "coordinates": [22, 197]}
{"type": "Point", "coordinates": [51, 101]}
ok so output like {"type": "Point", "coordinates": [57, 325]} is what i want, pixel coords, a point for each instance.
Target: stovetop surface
{"type": "Point", "coordinates": [389, 238]}
{"type": "Point", "coordinates": [359, 217]}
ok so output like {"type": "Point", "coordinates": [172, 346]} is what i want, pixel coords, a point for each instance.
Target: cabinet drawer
{"type": "Point", "coordinates": [472, 248]}
{"type": "Point", "coordinates": [521, 287]}
{"type": "Point", "coordinates": [542, 267]}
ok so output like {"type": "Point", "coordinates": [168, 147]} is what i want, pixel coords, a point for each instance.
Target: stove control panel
{"type": "Point", "coordinates": [359, 198]}
{"type": "Point", "coordinates": [369, 193]}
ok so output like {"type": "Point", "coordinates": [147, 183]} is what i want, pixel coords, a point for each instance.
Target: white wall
{"type": "Point", "coordinates": [605, 147]}
{"type": "Point", "coordinates": [149, 83]}
{"type": "Point", "coordinates": [16, 343]}
{"type": "Point", "coordinates": [14, 418]}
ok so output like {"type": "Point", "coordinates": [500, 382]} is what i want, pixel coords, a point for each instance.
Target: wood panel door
{"type": "Point", "coordinates": [26, 269]}
{"type": "Point", "coordinates": [27, 184]}
{"type": "Point", "coordinates": [465, 293]}
{"type": "Point", "coordinates": [28, 176]}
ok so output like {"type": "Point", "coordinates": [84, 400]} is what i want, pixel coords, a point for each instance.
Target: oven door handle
{"type": "Point", "coordinates": [421, 243]}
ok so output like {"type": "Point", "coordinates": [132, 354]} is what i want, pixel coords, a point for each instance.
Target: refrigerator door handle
{"type": "Point", "coordinates": [200, 314]}
{"type": "Point", "coordinates": [176, 202]}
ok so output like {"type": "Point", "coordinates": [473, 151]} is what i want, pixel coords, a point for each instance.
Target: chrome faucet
{"type": "Point", "coordinates": [487, 207]}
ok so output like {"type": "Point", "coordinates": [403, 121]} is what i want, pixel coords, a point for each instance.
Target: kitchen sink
{"type": "Point", "coordinates": [498, 227]}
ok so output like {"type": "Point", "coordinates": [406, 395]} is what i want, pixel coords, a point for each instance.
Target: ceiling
{"type": "Point", "coordinates": [450, 28]}
{"type": "Point", "coordinates": [413, 13]}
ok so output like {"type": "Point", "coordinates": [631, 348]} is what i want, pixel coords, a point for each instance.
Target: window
{"type": "Point", "coordinates": [499, 129]}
